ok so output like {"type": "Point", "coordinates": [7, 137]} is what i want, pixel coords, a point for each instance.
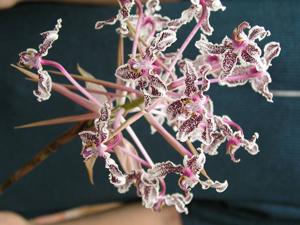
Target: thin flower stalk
{"type": "Point", "coordinates": [90, 90]}
{"type": "Point", "coordinates": [100, 82]}
{"type": "Point", "coordinates": [71, 79]}
{"type": "Point", "coordinates": [60, 120]}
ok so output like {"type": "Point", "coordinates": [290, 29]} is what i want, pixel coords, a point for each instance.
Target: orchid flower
{"type": "Point", "coordinates": [190, 114]}
{"type": "Point", "coordinates": [93, 142]}
{"type": "Point", "coordinates": [259, 79]}
{"type": "Point", "coordinates": [189, 173]}
{"type": "Point", "coordinates": [143, 76]}
{"type": "Point", "coordinates": [235, 139]}
{"type": "Point", "coordinates": [260, 83]}
{"type": "Point", "coordinates": [31, 58]}
{"type": "Point", "coordinates": [241, 48]}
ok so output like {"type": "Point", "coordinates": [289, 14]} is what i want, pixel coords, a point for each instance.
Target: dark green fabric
{"type": "Point", "coordinates": [261, 188]}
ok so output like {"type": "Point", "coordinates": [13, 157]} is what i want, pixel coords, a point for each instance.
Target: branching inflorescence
{"type": "Point", "coordinates": [148, 85]}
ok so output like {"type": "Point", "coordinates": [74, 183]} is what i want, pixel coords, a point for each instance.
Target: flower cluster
{"type": "Point", "coordinates": [167, 90]}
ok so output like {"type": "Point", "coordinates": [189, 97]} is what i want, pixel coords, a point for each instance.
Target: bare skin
{"type": "Point", "coordinates": [7, 3]}
{"type": "Point", "coordinates": [131, 214]}
{"type": "Point", "coordinates": [10, 218]}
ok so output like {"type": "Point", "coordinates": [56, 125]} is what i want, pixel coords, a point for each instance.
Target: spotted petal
{"type": "Point", "coordinates": [220, 187]}
{"type": "Point", "coordinates": [131, 178]}
{"type": "Point", "coordinates": [271, 51]}
{"type": "Point", "coordinates": [258, 32]}
{"type": "Point", "coordinates": [125, 72]}
{"type": "Point", "coordinates": [212, 49]}
{"type": "Point", "coordinates": [229, 61]}
{"type": "Point", "coordinates": [44, 86]}
{"type": "Point", "coordinates": [251, 55]}
{"type": "Point", "coordinates": [261, 85]}
{"type": "Point", "coordinates": [111, 21]}
{"type": "Point", "coordinates": [190, 77]}
{"type": "Point", "coordinates": [205, 133]}
{"type": "Point", "coordinates": [122, 16]}
{"type": "Point", "coordinates": [149, 190]}
{"type": "Point", "coordinates": [156, 87]}
{"type": "Point", "coordinates": [195, 163]}
{"type": "Point", "coordinates": [49, 38]}
{"type": "Point", "coordinates": [186, 17]}
{"type": "Point", "coordinates": [116, 177]}
{"type": "Point", "coordinates": [250, 145]}
{"type": "Point", "coordinates": [161, 42]}
{"type": "Point", "coordinates": [164, 168]}
{"type": "Point", "coordinates": [179, 201]}
{"type": "Point", "coordinates": [89, 138]}
{"type": "Point", "coordinates": [104, 112]}
{"type": "Point", "coordinates": [217, 140]}
{"type": "Point", "coordinates": [202, 76]}
{"type": "Point", "coordinates": [222, 126]}
{"type": "Point", "coordinates": [175, 109]}
{"type": "Point", "coordinates": [149, 196]}
{"type": "Point", "coordinates": [188, 127]}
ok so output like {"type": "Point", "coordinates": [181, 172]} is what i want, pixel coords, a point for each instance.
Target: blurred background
{"type": "Point", "coordinates": [263, 189]}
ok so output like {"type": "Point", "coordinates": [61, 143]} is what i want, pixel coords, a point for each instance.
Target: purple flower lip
{"type": "Point", "coordinates": [87, 153]}
{"type": "Point", "coordinates": [233, 142]}
{"type": "Point", "coordinates": [187, 172]}
{"type": "Point", "coordinates": [196, 98]}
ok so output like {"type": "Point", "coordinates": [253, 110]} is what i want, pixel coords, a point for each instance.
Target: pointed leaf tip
{"type": "Point", "coordinates": [89, 164]}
